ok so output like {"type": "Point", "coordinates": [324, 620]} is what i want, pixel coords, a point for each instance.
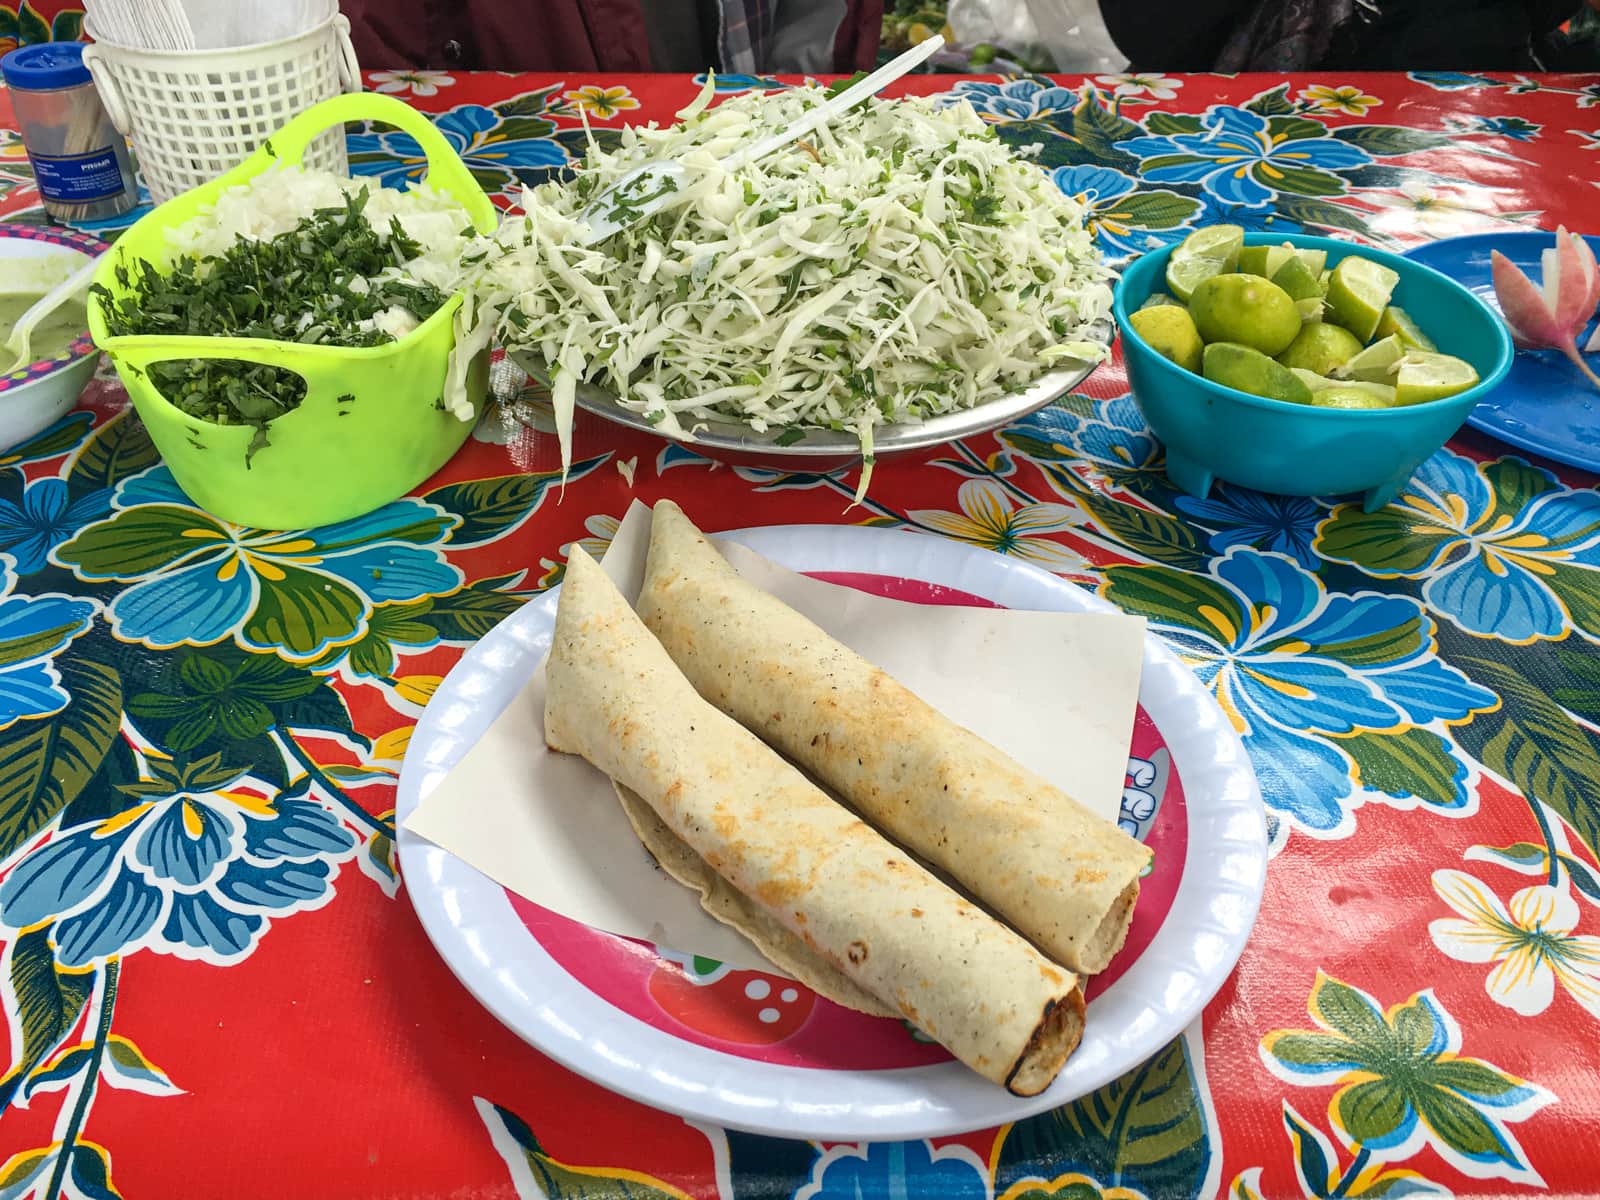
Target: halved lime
{"type": "Point", "coordinates": [1213, 250]}
{"type": "Point", "coordinates": [1299, 280]}
{"type": "Point", "coordinates": [1320, 347]}
{"type": "Point", "coordinates": [1398, 322]}
{"type": "Point", "coordinates": [1425, 376]}
{"type": "Point", "coordinates": [1246, 309]}
{"type": "Point", "coordinates": [1264, 260]}
{"type": "Point", "coordinates": [1171, 333]}
{"type": "Point", "coordinates": [1249, 370]}
{"type": "Point", "coordinates": [1376, 363]}
{"type": "Point", "coordinates": [1358, 292]}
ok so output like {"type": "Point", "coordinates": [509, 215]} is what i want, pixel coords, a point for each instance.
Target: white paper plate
{"type": "Point", "coordinates": [826, 1079]}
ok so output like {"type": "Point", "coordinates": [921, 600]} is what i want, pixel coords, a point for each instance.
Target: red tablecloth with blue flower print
{"type": "Point", "coordinates": [213, 987]}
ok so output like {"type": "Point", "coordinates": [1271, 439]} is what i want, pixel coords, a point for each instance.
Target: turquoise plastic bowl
{"type": "Point", "coordinates": [1213, 432]}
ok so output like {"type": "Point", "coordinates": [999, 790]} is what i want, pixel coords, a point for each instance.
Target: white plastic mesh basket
{"type": "Point", "coordinates": [195, 114]}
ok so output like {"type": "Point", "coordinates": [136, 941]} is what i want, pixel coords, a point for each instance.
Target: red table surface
{"type": "Point", "coordinates": [334, 1055]}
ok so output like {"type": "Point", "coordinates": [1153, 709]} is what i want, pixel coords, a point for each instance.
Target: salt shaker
{"type": "Point", "coordinates": [80, 161]}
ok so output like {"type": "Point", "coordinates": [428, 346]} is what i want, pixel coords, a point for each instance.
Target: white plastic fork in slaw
{"type": "Point", "coordinates": [901, 263]}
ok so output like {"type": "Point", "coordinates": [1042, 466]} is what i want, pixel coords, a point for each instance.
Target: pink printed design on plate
{"type": "Point", "coordinates": [768, 1018]}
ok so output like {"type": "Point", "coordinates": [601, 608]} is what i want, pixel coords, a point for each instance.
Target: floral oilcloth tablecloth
{"type": "Point", "coordinates": [213, 988]}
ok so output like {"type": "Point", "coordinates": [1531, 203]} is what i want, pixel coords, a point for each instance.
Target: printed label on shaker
{"type": "Point", "coordinates": [78, 178]}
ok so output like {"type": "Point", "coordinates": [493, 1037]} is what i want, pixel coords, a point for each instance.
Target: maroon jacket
{"type": "Point", "coordinates": [615, 35]}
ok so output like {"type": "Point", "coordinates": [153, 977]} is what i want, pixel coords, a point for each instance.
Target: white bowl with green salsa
{"type": "Point", "coordinates": [33, 259]}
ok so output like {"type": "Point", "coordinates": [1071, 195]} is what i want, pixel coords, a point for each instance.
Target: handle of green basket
{"type": "Point", "coordinates": [446, 171]}
{"type": "Point", "coordinates": [314, 364]}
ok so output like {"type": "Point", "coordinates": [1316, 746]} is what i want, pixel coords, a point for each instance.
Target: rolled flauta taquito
{"type": "Point", "coordinates": [1063, 877]}
{"type": "Point", "coordinates": [849, 895]}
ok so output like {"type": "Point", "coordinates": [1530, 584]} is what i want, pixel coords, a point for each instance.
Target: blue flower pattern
{"type": "Point", "coordinates": [34, 630]}
{"type": "Point", "coordinates": [43, 517]}
{"type": "Point", "coordinates": [1115, 436]}
{"type": "Point", "coordinates": [1019, 100]}
{"type": "Point", "coordinates": [898, 1170]}
{"type": "Point", "coordinates": [1120, 234]}
{"type": "Point", "coordinates": [1495, 570]}
{"type": "Point", "coordinates": [474, 132]}
{"type": "Point", "coordinates": [197, 875]}
{"type": "Point", "coordinates": [210, 580]}
{"type": "Point", "coordinates": [1241, 517]}
{"type": "Point", "coordinates": [1238, 159]}
{"type": "Point", "coordinates": [1289, 661]}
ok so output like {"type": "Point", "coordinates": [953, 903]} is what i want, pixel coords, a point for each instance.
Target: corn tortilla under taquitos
{"type": "Point", "coordinates": [975, 986]}
{"type": "Point", "coordinates": [1059, 874]}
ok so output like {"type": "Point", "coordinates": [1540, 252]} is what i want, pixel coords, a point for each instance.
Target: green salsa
{"type": "Point", "coordinates": [51, 336]}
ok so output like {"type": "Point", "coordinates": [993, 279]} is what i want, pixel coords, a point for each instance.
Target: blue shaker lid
{"type": "Point", "coordinates": [45, 66]}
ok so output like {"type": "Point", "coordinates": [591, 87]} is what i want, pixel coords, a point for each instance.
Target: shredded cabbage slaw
{"type": "Point", "coordinates": [900, 263]}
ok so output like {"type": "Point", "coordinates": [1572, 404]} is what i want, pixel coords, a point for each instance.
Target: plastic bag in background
{"type": "Point", "coordinates": [1056, 35]}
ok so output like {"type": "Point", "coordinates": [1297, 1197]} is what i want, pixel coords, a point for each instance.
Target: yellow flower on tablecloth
{"type": "Point", "coordinates": [1350, 100]}
{"type": "Point", "coordinates": [1157, 87]}
{"type": "Point", "coordinates": [602, 103]}
{"type": "Point", "coordinates": [991, 519]}
{"type": "Point", "coordinates": [1529, 941]}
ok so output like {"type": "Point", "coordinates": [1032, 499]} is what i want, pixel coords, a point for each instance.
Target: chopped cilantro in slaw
{"type": "Point", "coordinates": [899, 263]}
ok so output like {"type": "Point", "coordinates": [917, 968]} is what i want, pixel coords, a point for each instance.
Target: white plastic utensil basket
{"type": "Point", "coordinates": [195, 114]}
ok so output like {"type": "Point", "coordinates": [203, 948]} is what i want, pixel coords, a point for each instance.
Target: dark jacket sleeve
{"type": "Point", "coordinates": [500, 35]}
{"type": "Point", "coordinates": [1172, 35]}
{"type": "Point", "coordinates": [610, 35]}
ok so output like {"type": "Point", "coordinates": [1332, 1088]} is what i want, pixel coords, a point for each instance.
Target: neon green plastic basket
{"type": "Point", "coordinates": [325, 461]}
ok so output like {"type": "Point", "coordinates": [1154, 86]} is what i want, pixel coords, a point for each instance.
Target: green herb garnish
{"type": "Point", "coordinates": [315, 285]}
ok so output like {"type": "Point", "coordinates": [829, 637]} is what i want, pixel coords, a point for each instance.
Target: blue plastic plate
{"type": "Point", "coordinates": [1543, 405]}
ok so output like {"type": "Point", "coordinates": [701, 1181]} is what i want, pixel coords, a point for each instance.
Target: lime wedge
{"type": "Point", "coordinates": [1314, 381]}
{"type": "Point", "coordinates": [1246, 309]}
{"type": "Point", "coordinates": [1398, 322]}
{"type": "Point", "coordinates": [1249, 370]}
{"type": "Point", "coordinates": [1320, 348]}
{"type": "Point", "coordinates": [1311, 310]}
{"type": "Point", "coordinates": [1376, 363]}
{"type": "Point", "coordinates": [1358, 292]}
{"type": "Point", "coordinates": [1353, 396]}
{"type": "Point", "coordinates": [1159, 300]}
{"type": "Point", "coordinates": [1299, 280]}
{"type": "Point", "coordinates": [1170, 331]}
{"type": "Point", "coordinates": [1425, 376]}
{"type": "Point", "coordinates": [1264, 260]}
{"type": "Point", "coordinates": [1213, 250]}
{"type": "Point", "coordinates": [1316, 260]}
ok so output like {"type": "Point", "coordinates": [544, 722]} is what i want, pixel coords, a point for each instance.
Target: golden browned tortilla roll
{"type": "Point", "coordinates": [1062, 876]}
{"type": "Point", "coordinates": [868, 909]}
{"type": "Point", "coordinates": [732, 907]}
